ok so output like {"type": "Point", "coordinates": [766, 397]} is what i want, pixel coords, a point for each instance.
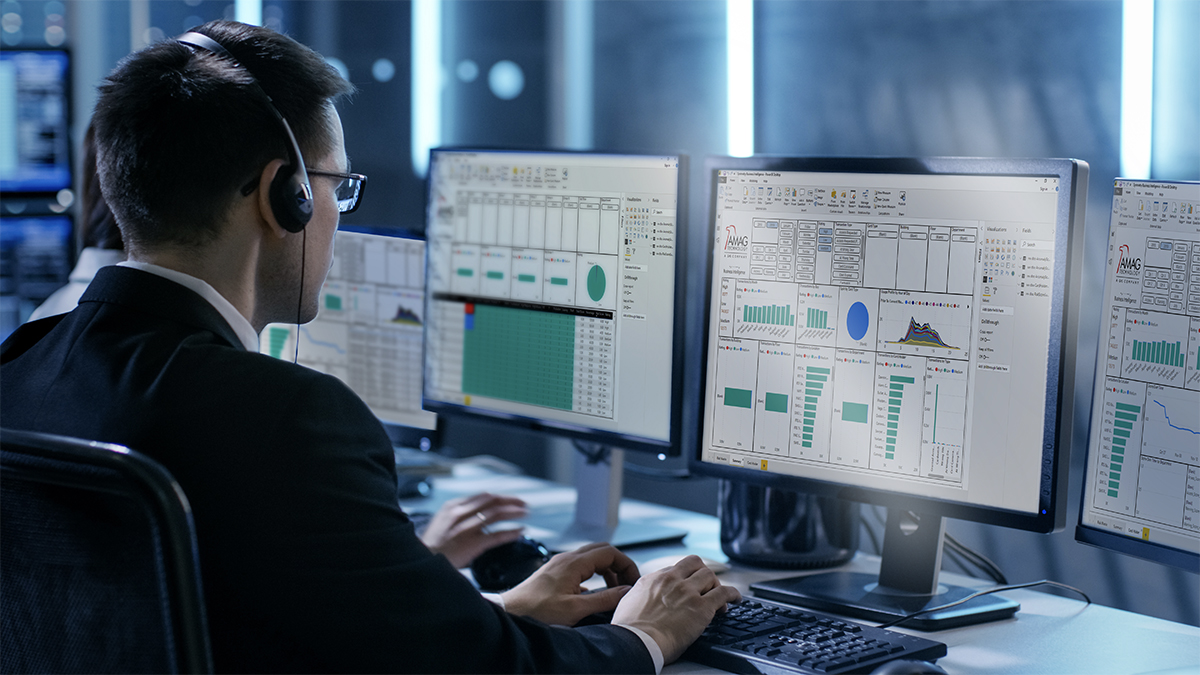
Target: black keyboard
{"type": "Point", "coordinates": [758, 636]}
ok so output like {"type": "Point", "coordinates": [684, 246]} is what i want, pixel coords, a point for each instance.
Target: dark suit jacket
{"type": "Point", "coordinates": [308, 563]}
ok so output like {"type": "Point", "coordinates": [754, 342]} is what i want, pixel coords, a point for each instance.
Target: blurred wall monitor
{"type": "Point", "coordinates": [899, 332]}
{"type": "Point", "coordinates": [1141, 491]}
{"type": "Point", "coordinates": [553, 283]}
{"type": "Point", "coordinates": [368, 327]}
{"type": "Point", "coordinates": [35, 147]}
{"type": "Point", "coordinates": [35, 261]}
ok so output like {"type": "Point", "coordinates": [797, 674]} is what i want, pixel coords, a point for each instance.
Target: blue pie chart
{"type": "Point", "coordinates": [857, 320]}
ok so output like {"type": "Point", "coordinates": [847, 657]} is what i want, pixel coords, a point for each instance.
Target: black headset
{"type": "Point", "coordinates": [290, 195]}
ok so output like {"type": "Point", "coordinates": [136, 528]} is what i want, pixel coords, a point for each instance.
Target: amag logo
{"type": "Point", "coordinates": [734, 242]}
{"type": "Point", "coordinates": [1127, 265]}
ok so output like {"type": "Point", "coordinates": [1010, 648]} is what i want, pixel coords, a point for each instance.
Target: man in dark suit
{"type": "Point", "coordinates": [308, 563]}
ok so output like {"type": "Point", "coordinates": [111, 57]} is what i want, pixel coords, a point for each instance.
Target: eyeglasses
{"type": "Point", "coordinates": [348, 191]}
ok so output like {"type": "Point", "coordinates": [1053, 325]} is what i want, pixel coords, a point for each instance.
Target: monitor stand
{"type": "Point", "coordinates": [599, 473]}
{"type": "Point", "coordinates": [907, 583]}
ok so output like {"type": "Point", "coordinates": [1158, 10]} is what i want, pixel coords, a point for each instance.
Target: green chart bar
{"type": "Point", "coordinates": [739, 398]}
{"type": "Point", "coordinates": [772, 315]}
{"type": "Point", "coordinates": [559, 281]}
{"type": "Point", "coordinates": [1161, 353]}
{"type": "Point", "coordinates": [855, 412]}
{"type": "Point", "coordinates": [465, 272]}
{"type": "Point", "coordinates": [817, 318]}
{"type": "Point", "coordinates": [814, 383]}
{"type": "Point", "coordinates": [776, 403]}
{"type": "Point", "coordinates": [527, 278]}
{"type": "Point", "coordinates": [495, 275]}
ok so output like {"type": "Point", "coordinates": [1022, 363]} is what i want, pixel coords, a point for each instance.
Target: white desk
{"type": "Point", "coordinates": [1050, 634]}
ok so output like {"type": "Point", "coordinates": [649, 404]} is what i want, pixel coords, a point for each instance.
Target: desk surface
{"type": "Point", "coordinates": [1050, 634]}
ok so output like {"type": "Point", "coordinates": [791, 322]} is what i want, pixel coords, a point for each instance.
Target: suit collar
{"type": "Point", "coordinates": [241, 327]}
{"type": "Point", "coordinates": [153, 294]}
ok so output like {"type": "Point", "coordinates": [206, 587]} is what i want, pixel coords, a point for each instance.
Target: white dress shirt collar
{"type": "Point", "coordinates": [237, 322]}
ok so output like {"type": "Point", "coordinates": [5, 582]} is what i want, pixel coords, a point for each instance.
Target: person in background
{"type": "Point", "coordinates": [100, 238]}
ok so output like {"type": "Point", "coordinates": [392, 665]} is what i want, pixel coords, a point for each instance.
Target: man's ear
{"type": "Point", "coordinates": [264, 197]}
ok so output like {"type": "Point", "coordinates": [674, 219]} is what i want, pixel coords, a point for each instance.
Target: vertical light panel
{"type": "Point", "coordinates": [1137, 87]}
{"type": "Point", "coordinates": [426, 81]}
{"type": "Point", "coordinates": [248, 11]}
{"type": "Point", "coordinates": [139, 24]}
{"type": "Point", "coordinates": [578, 26]}
{"type": "Point", "coordinates": [739, 75]}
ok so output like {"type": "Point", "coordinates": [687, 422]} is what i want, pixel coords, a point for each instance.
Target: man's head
{"type": "Point", "coordinates": [181, 131]}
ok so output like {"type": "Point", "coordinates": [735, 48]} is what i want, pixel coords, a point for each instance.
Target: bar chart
{"type": "Point", "coordinates": [1120, 445]}
{"type": "Point", "coordinates": [945, 415]}
{"type": "Point", "coordinates": [899, 398]}
{"type": "Point", "coordinates": [765, 310]}
{"type": "Point", "coordinates": [1162, 353]}
{"type": "Point", "coordinates": [737, 378]}
{"type": "Point", "coordinates": [772, 418]}
{"type": "Point", "coordinates": [850, 424]}
{"type": "Point", "coordinates": [816, 315]}
{"type": "Point", "coordinates": [813, 395]}
{"type": "Point", "coordinates": [1155, 347]}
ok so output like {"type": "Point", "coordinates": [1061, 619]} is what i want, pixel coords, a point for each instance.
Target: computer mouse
{"type": "Point", "coordinates": [909, 667]}
{"type": "Point", "coordinates": [507, 565]}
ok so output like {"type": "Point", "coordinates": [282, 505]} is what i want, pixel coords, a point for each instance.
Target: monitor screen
{"type": "Point", "coordinates": [368, 328]}
{"type": "Point", "coordinates": [898, 332]}
{"type": "Point", "coordinates": [1141, 491]}
{"type": "Point", "coordinates": [35, 261]}
{"type": "Point", "coordinates": [34, 120]}
{"type": "Point", "coordinates": [553, 279]}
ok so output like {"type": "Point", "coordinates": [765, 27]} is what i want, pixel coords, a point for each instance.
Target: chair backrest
{"type": "Point", "coordinates": [98, 564]}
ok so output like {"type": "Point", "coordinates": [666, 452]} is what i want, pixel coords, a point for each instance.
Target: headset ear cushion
{"type": "Point", "coordinates": [290, 199]}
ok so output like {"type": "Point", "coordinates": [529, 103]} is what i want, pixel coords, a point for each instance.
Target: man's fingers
{"type": "Point", "coordinates": [494, 539]}
{"type": "Point", "coordinates": [601, 601]}
{"type": "Point", "coordinates": [484, 501]}
{"type": "Point", "coordinates": [723, 595]}
{"type": "Point", "coordinates": [494, 514]}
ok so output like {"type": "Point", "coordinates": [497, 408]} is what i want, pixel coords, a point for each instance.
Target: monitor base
{"type": "Point", "coordinates": [861, 596]}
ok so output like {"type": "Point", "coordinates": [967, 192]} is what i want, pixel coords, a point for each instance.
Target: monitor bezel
{"type": "Point", "coordinates": [1052, 493]}
{"type": "Point", "coordinates": [68, 95]}
{"type": "Point", "coordinates": [670, 447]}
{"type": "Point", "coordinates": [1095, 536]}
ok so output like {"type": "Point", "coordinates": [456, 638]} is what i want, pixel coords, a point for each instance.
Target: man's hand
{"type": "Point", "coordinates": [458, 529]}
{"type": "Point", "coordinates": [554, 595]}
{"type": "Point", "coordinates": [675, 604]}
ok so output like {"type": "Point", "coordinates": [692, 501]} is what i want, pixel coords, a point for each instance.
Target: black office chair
{"type": "Point", "coordinates": [98, 565]}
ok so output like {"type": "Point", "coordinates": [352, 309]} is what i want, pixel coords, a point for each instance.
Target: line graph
{"type": "Point", "coordinates": [1171, 429]}
{"type": "Point", "coordinates": [1167, 416]}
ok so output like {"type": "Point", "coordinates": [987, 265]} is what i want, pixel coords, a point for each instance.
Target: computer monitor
{"type": "Point", "coordinates": [368, 329]}
{"type": "Point", "coordinates": [897, 332]}
{"type": "Point", "coordinates": [35, 144]}
{"type": "Point", "coordinates": [35, 261]}
{"type": "Point", "coordinates": [554, 280]}
{"type": "Point", "coordinates": [1141, 493]}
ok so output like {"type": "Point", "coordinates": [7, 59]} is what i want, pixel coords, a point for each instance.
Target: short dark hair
{"type": "Point", "coordinates": [179, 131]}
{"type": "Point", "coordinates": [97, 227]}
